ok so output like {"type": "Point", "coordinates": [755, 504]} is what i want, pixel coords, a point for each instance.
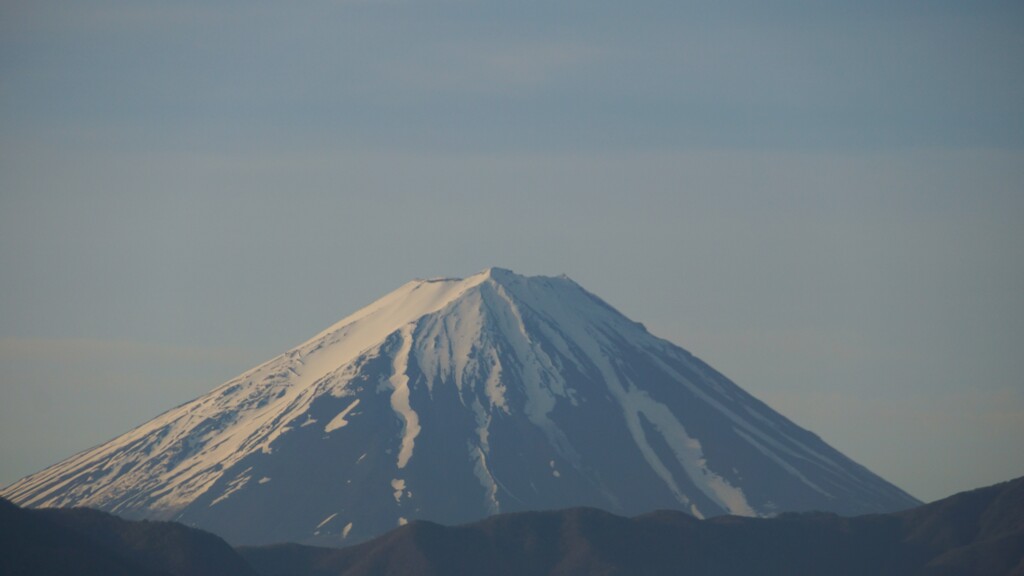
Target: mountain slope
{"type": "Point", "coordinates": [454, 399]}
{"type": "Point", "coordinates": [979, 533]}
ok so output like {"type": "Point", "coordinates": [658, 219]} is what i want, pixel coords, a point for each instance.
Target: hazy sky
{"type": "Point", "coordinates": [822, 200]}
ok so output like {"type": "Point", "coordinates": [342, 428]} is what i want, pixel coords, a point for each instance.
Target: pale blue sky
{"type": "Point", "coordinates": [824, 202]}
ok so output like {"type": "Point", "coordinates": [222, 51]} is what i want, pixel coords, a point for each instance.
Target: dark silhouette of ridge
{"type": "Point", "coordinates": [87, 542]}
{"type": "Point", "coordinates": [978, 533]}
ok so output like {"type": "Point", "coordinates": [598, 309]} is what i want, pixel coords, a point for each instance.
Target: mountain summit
{"type": "Point", "coordinates": [453, 399]}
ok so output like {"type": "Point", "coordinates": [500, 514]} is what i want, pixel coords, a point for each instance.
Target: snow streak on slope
{"type": "Point", "coordinates": [400, 399]}
{"type": "Point", "coordinates": [339, 420]}
{"type": "Point", "coordinates": [453, 399]}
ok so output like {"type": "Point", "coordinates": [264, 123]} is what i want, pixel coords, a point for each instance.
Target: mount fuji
{"type": "Point", "coordinates": [454, 399]}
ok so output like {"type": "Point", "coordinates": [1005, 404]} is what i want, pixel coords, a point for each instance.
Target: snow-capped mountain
{"type": "Point", "coordinates": [454, 399]}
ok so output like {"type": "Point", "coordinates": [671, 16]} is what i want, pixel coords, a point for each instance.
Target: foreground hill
{"type": "Point", "coordinates": [453, 400]}
{"type": "Point", "coordinates": [978, 533]}
{"type": "Point", "coordinates": [87, 542]}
